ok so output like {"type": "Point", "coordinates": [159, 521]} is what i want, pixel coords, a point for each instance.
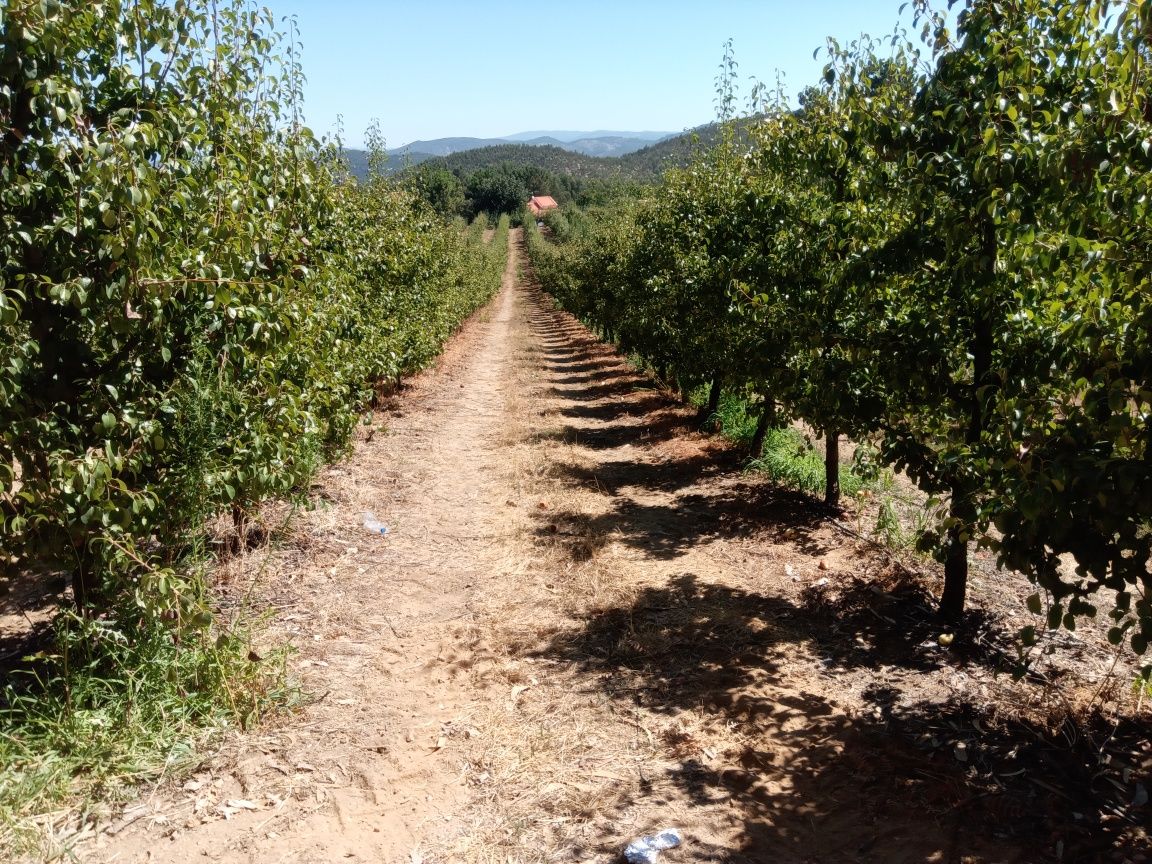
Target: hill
{"type": "Point", "coordinates": [569, 136]}
{"type": "Point", "coordinates": [613, 161]}
{"type": "Point", "coordinates": [441, 146]}
{"type": "Point", "coordinates": [397, 161]}
{"type": "Point", "coordinates": [644, 165]}
{"type": "Point", "coordinates": [652, 161]}
{"type": "Point", "coordinates": [601, 143]}
{"type": "Point", "coordinates": [544, 156]}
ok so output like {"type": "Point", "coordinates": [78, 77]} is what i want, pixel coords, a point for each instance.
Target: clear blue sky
{"type": "Point", "coordinates": [438, 68]}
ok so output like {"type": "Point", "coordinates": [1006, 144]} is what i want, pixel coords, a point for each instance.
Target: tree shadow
{"type": "Point", "coordinates": [574, 366]}
{"type": "Point", "coordinates": [868, 623]}
{"type": "Point", "coordinates": [597, 392]}
{"type": "Point", "coordinates": [670, 528]}
{"type": "Point", "coordinates": [662, 428]}
{"type": "Point", "coordinates": [813, 779]}
{"type": "Point", "coordinates": [604, 376]}
{"type": "Point", "coordinates": [614, 476]}
{"type": "Point", "coordinates": [638, 407]}
{"type": "Point", "coordinates": [28, 608]}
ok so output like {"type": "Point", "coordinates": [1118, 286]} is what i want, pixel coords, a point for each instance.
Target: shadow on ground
{"type": "Point", "coordinates": [890, 775]}
{"type": "Point", "coordinates": [905, 780]}
{"type": "Point", "coordinates": [28, 604]}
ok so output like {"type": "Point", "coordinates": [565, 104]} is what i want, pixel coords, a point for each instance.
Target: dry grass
{"type": "Point", "coordinates": [552, 753]}
{"type": "Point", "coordinates": [728, 687]}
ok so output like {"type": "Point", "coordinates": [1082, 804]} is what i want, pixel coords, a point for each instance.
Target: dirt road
{"type": "Point", "coordinates": [587, 623]}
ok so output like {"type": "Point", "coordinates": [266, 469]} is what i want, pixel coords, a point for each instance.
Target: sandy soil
{"type": "Point", "coordinates": [587, 623]}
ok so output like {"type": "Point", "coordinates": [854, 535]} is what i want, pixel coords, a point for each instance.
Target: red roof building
{"type": "Point", "coordinates": [538, 204]}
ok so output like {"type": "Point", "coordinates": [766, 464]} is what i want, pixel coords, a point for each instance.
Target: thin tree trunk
{"type": "Point", "coordinates": [81, 590]}
{"type": "Point", "coordinates": [240, 525]}
{"type": "Point", "coordinates": [713, 404]}
{"type": "Point", "coordinates": [832, 468]}
{"type": "Point", "coordinates": [767, 421]}
{"type": "Point", "coordinates": [963, 506]}
{"type": "Point", "coordinates": [955, 562]}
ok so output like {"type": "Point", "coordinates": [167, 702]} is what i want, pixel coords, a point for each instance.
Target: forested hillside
{"type": "Point", "coordinates": [547, 158]}
{"type": "Point", "coordinates": [644, 165]}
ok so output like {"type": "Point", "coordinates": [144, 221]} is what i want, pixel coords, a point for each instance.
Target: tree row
{"type": "Point", "coordinates": [196, 303]}
{"type": "Point", "coordinates": [943, 252]}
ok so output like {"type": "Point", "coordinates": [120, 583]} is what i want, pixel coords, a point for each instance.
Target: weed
{"type": "Point", "coordinates": [736, 416]}
{"type": "Point", "coordinates": [788, 457]}
{"type": "Point", "coordinates": [1143, 682]}
{"type": "Point", "coordinates": [115, 701]}
{"type": "Point", "coordinates": [790, 460]}
{"type": "Point", "coordinates": [888, 524]}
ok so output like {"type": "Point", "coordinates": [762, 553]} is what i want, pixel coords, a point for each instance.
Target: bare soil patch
{"type": "Point", "coordinates": [589, 623]}
{"type": "Point", "coordinates": [27, 607]}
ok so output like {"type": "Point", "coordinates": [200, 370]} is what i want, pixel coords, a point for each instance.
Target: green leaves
{"type": "Point", "coordinates": [193, 309]}
{"type": "Point", "coordinates": [951, 264]}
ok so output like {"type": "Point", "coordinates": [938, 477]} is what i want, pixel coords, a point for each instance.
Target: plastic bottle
{"type": "Point", "coordinates": [647, 849]}
{"type": "Point", "coordinates": [373, 524]}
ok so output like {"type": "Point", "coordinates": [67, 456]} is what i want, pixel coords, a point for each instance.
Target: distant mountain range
{"type": "Point", "coordinates": [640, 156]}
{"type": "Point", "coordinates": [569, 137]}
{"type": "Point", "coordinates": [599, 143]}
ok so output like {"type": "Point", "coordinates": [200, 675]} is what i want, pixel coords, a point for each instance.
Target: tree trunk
{"type": "Point", "coordinates": [713, 405]}
{"type": "Point", "coordinates": [767, 421]}
{"type": "Point", "coordinates": [963, 507]}
{"type": "Point", "coordinates": [240, 526]}
{"type": "Point", "coordinates": [82, 590]}
{"type": "Point", "coordinates": [955, 563]}
{"type": "Point", "coordinates": [832, 468]}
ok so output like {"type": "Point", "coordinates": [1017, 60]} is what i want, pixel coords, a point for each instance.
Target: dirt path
{"type": "Point", "coordinates": [587, 623]}
{"type": "Point", "coordinates": [367, 773]}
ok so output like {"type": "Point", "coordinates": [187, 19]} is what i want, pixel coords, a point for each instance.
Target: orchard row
{"type": "Point", "coordinates": [944, 255]}
{"type": "Point", "coordinates": [196, 303]}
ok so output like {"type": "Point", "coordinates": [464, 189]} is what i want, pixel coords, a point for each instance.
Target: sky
{"type": "Point", "coordinates": [438, 68]}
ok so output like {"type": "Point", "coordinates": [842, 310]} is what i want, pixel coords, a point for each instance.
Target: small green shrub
{"type": "Point", "coordinates": [790, 460]}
